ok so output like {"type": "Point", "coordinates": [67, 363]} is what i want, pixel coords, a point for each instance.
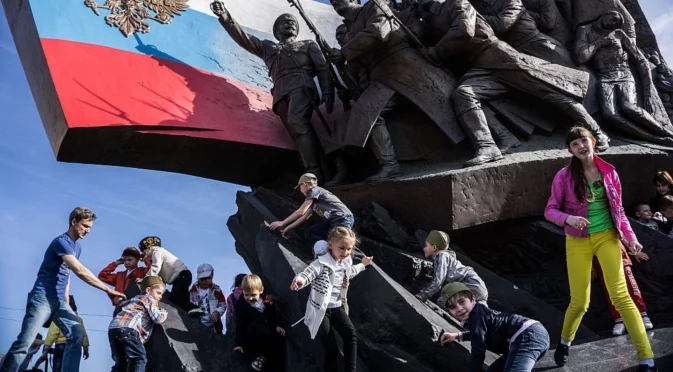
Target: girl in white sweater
{"type": "Point", "coordinates": [166, 265]}
{"type": "Point", "coordinates": [330, 273]}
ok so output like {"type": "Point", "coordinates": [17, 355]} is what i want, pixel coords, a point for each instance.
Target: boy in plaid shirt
{"type": "Point", "coordinates": [133, 325]}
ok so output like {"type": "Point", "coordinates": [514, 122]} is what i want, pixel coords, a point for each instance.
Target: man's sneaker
{"type": "Point", "coordinates": [647, 322]}
{"type": "Point", "coordinates": [618, 329]}
{"type": "Point", "coordinates": [646, 368]}
{"type": "Point", "coordinates": [561, 355]}
{"type": "Point", "coordinates": [195, 313]}
{"type": "Point", "coordinates": [258, 364]}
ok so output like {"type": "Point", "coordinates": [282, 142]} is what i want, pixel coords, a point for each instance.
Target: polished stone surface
{"type": "Point", "coordinates": [614, 354]}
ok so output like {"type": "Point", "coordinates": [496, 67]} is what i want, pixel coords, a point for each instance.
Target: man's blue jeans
{"type": "Point", "coordinates": [529, 347]}
{"type": "Point", "coordinates": [128, 351]}
{"type": "Point", "coordinates": [39, 310]}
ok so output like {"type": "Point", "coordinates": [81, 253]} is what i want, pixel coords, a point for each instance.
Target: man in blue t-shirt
{"type": "Point", "coordinates": [46, 302]}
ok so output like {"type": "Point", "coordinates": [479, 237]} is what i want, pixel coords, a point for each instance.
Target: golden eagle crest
{"type": "Point", "coordinates": [131, 16]}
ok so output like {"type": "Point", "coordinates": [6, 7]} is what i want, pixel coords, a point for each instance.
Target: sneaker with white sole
{"type": "Point", "coordinates": [647, 322]}
{"type": "Point", "coordinates": [618, 329]}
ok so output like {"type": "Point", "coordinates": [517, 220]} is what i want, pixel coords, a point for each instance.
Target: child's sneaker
{"type": "Point", "coordinates": [647, 322]}
{"type": "Point", "coordinates": [646, 368]}
{"type": "Point", "coordinates": [561, 355]}
{"type": "Point", "coordinates": [258, 363]}
{"type": "Point", "coordinates": [196, 313]}
{"type": "Point", "coordinates": [618, 329]}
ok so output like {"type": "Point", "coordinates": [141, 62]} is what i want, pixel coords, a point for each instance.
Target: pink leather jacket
{"type": "Point", "coordinates": [563, 202]}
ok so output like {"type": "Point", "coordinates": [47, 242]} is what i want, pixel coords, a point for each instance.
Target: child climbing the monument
{"type": "Point", "coordinates": [236, 292]}
{"type": "Point", "coordinates": [644, 214]}
{"type": "Point", "coordinates": [520, 340]}
{"type": "Point", "coordinates": [325, 313]}
{"type": "Point", "coordinates": [171, 270]}
{"type": "Point", "coordinates": [634, 292]}
{"type": "Point", "coordinates": [121, 279]}
{"type": "Point", "coordinates": [259, 334]}
{"type": "Point", "coordinates": [328, 211]}
{"type": "Point", "coordinates": [132, 326]}
{"type": "Point", "coordinates": [209, 297]}
{"type": "Point", "coordinates": [448, 269]}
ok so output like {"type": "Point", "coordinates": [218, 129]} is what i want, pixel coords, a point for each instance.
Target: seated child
{"type": "Point", "coordinates": [258, 331]}
{"type": "Point", "coordinates": [121, 279]}
{"type": "Point", "coordinates": [634, 291]}
{"type": "Point", "coordinates": [448, 269]}
{"type": "Point", "coordinates": [325, 310]}
{"type": "Point", "coordinates": [171, 270]}
{"type": "Point", "coordinates": [329, 210]}
{"type": "Point", "coordinates": [644, 215]}
{"type": "Point", "coordinates": [521, 341]}
{"type": "Point", "coordinates": [209, 297]}
{"type": "Point", "coordinates": [132, 326]}
{"type": "Point", "coordinates": [236, 292]}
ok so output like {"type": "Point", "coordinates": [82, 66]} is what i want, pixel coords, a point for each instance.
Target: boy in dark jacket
{"type": "Point", "coordinates": [258, 331]}
{"type": "Point", "coordinates": [520, 340]}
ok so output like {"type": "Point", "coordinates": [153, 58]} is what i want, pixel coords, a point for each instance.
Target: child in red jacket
{"type": "Point", "coordinates": [121, 279]}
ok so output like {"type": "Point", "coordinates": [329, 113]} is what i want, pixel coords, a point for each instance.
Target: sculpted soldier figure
{"type": "Point", "coordinates": [390, 71]}
{"type": "Point", "coordinates": [664, 80]}
{"type": "Point", "coordinates": [514, 25]}
{"type": "Point", "coordinates": [610, 50]}
{"type": "Point", "coordinates": [292, 66]}
{"type": "Point", "coordinates": [549, 20]}
{"type": "Point", "coordinates": [495, 69]}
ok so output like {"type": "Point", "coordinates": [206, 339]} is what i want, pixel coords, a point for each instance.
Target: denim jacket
{"type": "Point", "coordinates": [563, 202]}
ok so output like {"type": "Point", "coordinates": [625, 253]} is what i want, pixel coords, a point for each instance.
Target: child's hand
{"type": "Point", "coordinates": [577, 222]}
{"type": "Point", "coordinates": [448, 337]}
{"type": "Point", "coordinates": [285, 232]}
{"type": "Point", "coordinates": [635, 247]}
{"type": "Point", "coordinates": [642, 256]}
{"type": "Point", "coordinates": [239, 348]}
{"type": "Point", "coordinates": [214, 316]}
{"type": "Point", "coordinates": [418, 296]}
{"type": "Point", "coordinates": [658, 216]}
{"type": "Point", "coordinates": [119, 262]}
{"type": "Point", "coordinates": [280, 331]}
{"type": "Point", "coordinates": [275, 225]}
{"type": "Point", "coordinates": [367, 260]}
{"type": "Point", "coordinates": [297, 284]}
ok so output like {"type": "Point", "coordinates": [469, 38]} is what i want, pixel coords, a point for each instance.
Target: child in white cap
{"type": "Point", "coordinates": [209, 297]}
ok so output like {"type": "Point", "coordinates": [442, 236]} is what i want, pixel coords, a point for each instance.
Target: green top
{"type": "Point", "coordinates": [598, 214]}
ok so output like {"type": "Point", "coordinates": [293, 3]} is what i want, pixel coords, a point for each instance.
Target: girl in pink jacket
{"type": "Point", "coordinates": [586, 199]}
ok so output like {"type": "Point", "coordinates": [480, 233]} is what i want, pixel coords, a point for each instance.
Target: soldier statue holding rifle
{"type": "Point", "coordinates": [293, 64]}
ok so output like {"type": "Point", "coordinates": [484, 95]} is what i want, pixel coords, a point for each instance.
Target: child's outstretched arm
{"type": "Point", "coordinates": [356, 269]}
{"type": "Point", "coordinates": [305, 277]}
{"type": "Point", "coordinates": [298, 222]}
{"type": "Point", "coordinates": [441, 268]}
{"type": "Point", "coordinates": [305, 207]}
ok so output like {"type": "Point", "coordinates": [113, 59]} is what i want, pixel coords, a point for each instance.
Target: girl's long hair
{"type": "Point", "coordinates": [575, 166]}
{"type": "Point", "coordinates": [238, 280]}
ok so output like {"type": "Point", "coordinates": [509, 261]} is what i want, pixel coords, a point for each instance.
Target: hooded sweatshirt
{"type": "Point", "coordinates": [447, 269]}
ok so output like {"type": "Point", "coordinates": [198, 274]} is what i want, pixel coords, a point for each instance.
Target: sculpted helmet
{"type": "Point", "coordinates": [281, 18]}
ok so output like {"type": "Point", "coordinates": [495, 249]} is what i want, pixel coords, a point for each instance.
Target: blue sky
{"type": "Point", "coordinates": [188, 213]}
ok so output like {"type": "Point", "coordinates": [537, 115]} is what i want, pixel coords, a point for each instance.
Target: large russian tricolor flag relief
{"type": "Point", "coordinates": [97, 90]}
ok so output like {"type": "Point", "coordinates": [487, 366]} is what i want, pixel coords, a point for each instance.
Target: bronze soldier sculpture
{"type": "Point", "coordinates": [549, 20]}
{"type": "Point", "coordinates": [512, 24]}
{"type": "Point", "coordinates": [292, 65]}
{"type": "Point", "coordinates": [390, 71]}
{"type": "Point", "coordinates": [497, 68]}
{"type": "Point", "coordinates": [610, 50]}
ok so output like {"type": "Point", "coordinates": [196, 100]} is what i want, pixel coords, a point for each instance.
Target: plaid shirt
{"type": "Point", "coordinates": [139, 313]}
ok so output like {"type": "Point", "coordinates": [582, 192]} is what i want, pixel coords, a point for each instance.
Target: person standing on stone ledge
{"type": "Point", "coordinates": [327, 210]}
{"type": "Point", "coordinates": [448, 269]}
{"type": "Point", "coordinates": [292, 65]}
{"type": "Point", "coordinates": [209, 297]}
{"type": "Point", "coordinates": [497, 68]}
{"type": "Point", "coordinates": [586, 199]}
{"type": "Point", "coordinates": [329, 275]}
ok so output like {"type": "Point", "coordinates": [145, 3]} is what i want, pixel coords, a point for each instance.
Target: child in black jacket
{"type": "Point", "coordinates": [520, 340]}
{"type": "Point", "coordinates": [258, 331]}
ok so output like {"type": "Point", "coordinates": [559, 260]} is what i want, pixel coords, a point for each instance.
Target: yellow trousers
{"type": "Point", "coordinates": [605, 246]}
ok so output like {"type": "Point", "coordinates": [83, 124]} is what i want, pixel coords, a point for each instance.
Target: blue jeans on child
{"type": "Point", "coordinates": [529, 347]}
{"type": "Point", "coordinates": [57, 360]}
{"type": "Point", "coordinates": [39, 310]}
{"type": "Point", "coordinates": [320, 227]}
{"type": "Point", "coordinates": [128, 351]}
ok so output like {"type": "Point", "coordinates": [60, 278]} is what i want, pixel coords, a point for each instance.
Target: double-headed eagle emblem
{"type": "Point", "coordinates": [130, 16]}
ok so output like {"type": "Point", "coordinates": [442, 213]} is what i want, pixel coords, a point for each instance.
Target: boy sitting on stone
{"type": "Point", "coordinates": [329, 210]}
{"type": "Point", "coordinates": [521, 341]}
{"type": "Point", "coordinates": [645, 216]}
{"type": "Point", "coordinates": [447, 269]}
{"type": "Point", "coordinates": [209, 297]}
{"type": "Point", "coordinates": [258, 331]}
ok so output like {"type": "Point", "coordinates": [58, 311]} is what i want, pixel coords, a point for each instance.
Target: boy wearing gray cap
{"type": "Point", "coordinates": [209, 297]}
